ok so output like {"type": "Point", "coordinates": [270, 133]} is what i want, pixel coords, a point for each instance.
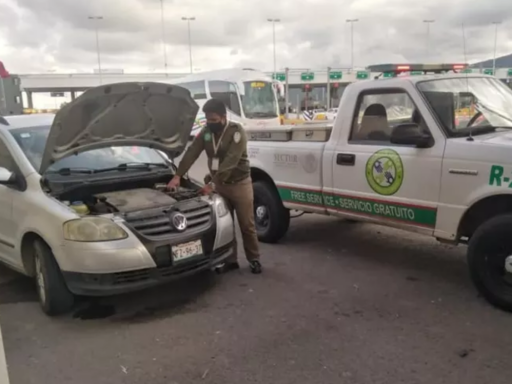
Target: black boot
{"type": "Point", "coordinates": [255, 267]}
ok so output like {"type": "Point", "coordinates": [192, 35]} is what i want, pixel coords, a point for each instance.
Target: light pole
{"type": "Point", "coordinates": [428, 22]}
{"type": "Point", "coordinates": [164, 46]}
{"type": "Point", "coordinates": [95, 20]}
{"type": "Point", "coordinates": [274, 21]}
{"type": "Point", "coordinates": [352, 21]}
{"type": "Point", "coordinates": [188, 20]}
{"type": "Point", "coordinates": [496, 23]}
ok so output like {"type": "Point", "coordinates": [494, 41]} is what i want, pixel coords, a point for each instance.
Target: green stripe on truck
{"type": "Point", "coordinates": [416, 215]}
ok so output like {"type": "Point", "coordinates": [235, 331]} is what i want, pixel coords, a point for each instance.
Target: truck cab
{"type": "Point", "coordinates": [401, 153]}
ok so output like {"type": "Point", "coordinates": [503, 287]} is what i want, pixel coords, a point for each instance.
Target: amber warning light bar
{"type": "Point", "coordinates": [392, 70]}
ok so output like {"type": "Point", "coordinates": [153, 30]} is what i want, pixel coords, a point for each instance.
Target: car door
{"type": "Point", "coordinates": [383, 182]}
{"type": "Point", "coordinates": [7, 224]}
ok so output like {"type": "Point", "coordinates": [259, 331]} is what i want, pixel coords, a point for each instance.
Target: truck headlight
{"type": "Point", "coordinates": [220, 206]}
{"type": "Point", "coordinates": [91, 229]}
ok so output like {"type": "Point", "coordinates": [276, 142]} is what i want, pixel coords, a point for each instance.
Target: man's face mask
{"type": "Point", "coordinates": [215, 127]}
{"type": "Point", "coordinates": [215, 123]}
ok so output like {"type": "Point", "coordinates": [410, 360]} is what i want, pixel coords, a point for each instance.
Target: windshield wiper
{"type": "Point", "coordinates": [134, 166]}
{"type": "Point", "coordinates": [71, 171]}
{"type": "Point", "coordinates": [479, 130]}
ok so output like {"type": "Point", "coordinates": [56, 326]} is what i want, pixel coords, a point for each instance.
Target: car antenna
{"type": "Point", "coordinates": [470, 137]}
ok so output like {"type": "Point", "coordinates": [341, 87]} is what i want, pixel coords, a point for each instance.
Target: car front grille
{"type": "Point", "coordinates": [155, 223]}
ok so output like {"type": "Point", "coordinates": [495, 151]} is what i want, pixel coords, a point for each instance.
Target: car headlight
{"type": "Point", "coordinates": [220, 206]}
{"type": "Point", "coordinates": [91, 229]}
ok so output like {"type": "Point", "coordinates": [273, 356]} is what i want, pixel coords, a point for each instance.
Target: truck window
{"type": "Point", "coordinates": [378, 112]}
{"type": "Point", "coordinates": [227, 93]}
{"type": "Point", "coordinates": [476, 102]}
{"type": "Point", "coordinates": [196, 89]}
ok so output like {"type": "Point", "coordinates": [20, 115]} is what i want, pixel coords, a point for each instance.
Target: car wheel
{"type": "Point", "coordinates": [490, 261]}
{"type": "Point", "coordinates": [272, 219]}
{"type": "Point", "coordinates": [54, 295]}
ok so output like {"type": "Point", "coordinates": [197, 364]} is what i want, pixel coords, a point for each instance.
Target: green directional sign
{"type": "Point", "coordinates": [388, 74]}
{"type": "Point", "coordinates": [416, 73]}
{"type": "Point", "coordinates": [361, 75]}
{"type": "Point", "coordinates": [307, 76]}
{"type": "Point", "coordinates": [336, 75]}
{"type": "Point", "coordinates": [509, 72]}
{"type": "Point", "coordinates": [279, 76]}
{"type": "Point", "coordinates": [488, 71]}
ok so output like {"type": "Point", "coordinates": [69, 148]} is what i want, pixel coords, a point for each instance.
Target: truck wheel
{"type": "Point", "coordinates": [54, 295]}
{"type": "Point", "coordinates": [490, 261]}
{"type": "Point", "coordinates": [271, 217]}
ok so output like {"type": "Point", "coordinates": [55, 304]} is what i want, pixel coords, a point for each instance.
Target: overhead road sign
{"type": "Point", "coordinates": [335, 75]}
{"type": "Point", "coordinates": [307, 76]}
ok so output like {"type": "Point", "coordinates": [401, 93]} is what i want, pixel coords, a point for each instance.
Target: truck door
{"type": "Point", "coordinates": [378, 181]}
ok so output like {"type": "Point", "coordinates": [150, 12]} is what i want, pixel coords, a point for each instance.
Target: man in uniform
{"type": "Point", "coordinates": [225, 144]}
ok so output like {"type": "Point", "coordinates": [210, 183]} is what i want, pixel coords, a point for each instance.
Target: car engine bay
{"type": "Point", "coordinates": [137, 199]}
{"type": "Point", "coordinates": [126, 197]}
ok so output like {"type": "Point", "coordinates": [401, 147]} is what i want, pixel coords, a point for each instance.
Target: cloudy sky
{"type": "Point", "coordinates": [57, 36]}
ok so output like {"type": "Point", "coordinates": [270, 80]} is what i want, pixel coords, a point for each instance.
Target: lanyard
{"type": "Point", "coordinates": [215, 144]}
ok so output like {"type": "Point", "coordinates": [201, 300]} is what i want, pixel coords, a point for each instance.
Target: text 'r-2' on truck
{"type": "Point", "coordinates": [403, 153]}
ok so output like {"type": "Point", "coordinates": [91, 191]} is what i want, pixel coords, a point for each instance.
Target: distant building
{"type": "Point", "coordinates": [11, 102]}
{"type": "Point", "coordinates": [501, 62]}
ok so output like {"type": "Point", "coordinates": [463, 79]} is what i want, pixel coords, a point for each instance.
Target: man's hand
{"type": "Point", "coordinates": [174, 183]}
{"type": "Point", "coordinates": [207, 189]}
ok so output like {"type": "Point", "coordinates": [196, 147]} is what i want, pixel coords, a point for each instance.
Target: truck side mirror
{"type": "Point", "coordinates": [411, 134]}
{"type": "Point", "coordinates": [7, 177]}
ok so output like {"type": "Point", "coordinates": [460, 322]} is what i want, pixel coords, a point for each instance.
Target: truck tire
{"type": "Point", "coordinates": [488, 249]}
{"type": "Point", "coordinates": [271, 217]}
{"type": "Point", "coordinates": [54, 295]}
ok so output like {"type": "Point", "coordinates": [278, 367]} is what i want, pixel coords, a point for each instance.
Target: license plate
{"type": "Point", "coordinates": [185, 251]}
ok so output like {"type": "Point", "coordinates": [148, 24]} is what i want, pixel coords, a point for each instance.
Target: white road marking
{"type": "Point", "coordinates": [4, 376]}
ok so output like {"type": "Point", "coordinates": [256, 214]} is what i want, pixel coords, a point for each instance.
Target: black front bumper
{"type": "Point", "coordinates": [106, 284]}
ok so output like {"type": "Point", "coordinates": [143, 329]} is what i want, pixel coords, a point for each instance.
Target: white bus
{"type": "Point", "coordinates": [250, 96]}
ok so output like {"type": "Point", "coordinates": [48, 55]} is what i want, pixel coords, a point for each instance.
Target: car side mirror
{"type": "Point", "coordinates": [410, 134]}
{"type": "Point", "coordinates": [7, 177]}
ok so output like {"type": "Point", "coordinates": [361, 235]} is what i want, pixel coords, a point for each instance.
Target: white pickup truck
{"type": "Point", "coordinates": [421, 168]}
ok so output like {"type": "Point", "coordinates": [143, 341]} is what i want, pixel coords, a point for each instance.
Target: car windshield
{"type": "Point", "coordinates": [259, 100]}
{"type": "Point", "coordinates": [476, 102]}
{"type": "Point", "coordinates": [32, 141]}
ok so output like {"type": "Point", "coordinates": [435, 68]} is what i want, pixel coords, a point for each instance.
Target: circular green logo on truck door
{"type": "Point", "coordinates": [385, 172]}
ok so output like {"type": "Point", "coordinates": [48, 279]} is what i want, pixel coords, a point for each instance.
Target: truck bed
{"type": "Point", "coordinates": [314, 131]}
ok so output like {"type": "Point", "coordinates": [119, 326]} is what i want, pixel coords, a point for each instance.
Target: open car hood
{"type": "Point", "coordinates": [154, 115]}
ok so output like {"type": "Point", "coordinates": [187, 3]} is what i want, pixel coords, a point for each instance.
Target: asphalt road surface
{"type": "Point", "coordinates": [337, 303]}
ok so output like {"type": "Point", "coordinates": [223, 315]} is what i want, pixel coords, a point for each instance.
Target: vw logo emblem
{"type": "Point", "coordinates": [179, 222]}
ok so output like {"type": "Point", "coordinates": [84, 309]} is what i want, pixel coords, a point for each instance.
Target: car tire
{"type": "Point", "coordinates": [54, 295]}
{"type": "Point", "coordinates": [488, 249]}
{"type": "Point", "coordinates": [271, 217]}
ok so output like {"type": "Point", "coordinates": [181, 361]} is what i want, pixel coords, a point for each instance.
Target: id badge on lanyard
{"type": "Point", "coordinates": [216, 145]}
{"type": "Point", "coordinates": [215, 164]}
